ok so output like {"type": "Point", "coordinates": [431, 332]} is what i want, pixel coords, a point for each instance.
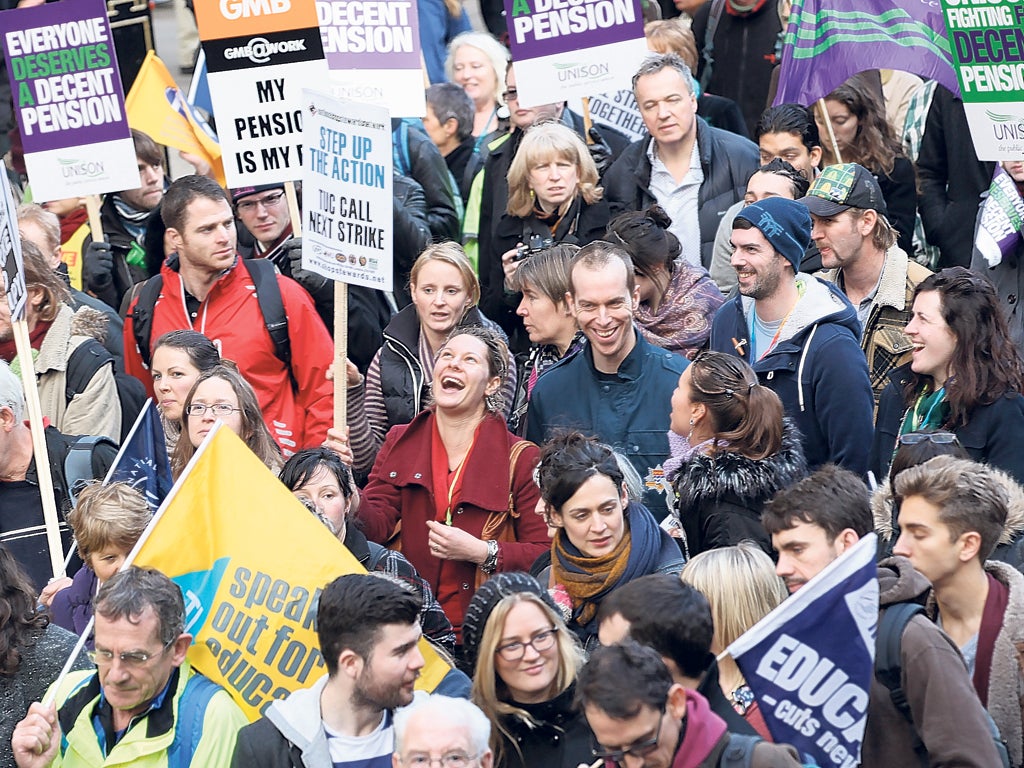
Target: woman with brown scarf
{"type": "Point", "coordinates": [602, 540]}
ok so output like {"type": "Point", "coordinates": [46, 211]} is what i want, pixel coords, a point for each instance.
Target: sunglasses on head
{"type": "Point", "coordinates": [939, 438]}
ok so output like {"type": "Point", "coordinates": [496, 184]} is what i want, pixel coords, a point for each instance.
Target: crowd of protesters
{"type": "Point", "coordinates": [622, 400]}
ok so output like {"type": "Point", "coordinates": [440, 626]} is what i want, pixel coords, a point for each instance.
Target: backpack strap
{"type": "Point", "coordinates": [739, 752]}
{"type": "Point", "coordinates": [268, 295]}
{"type": "Point", "coordinates": [377, 553]}
{"type": "Point", "coordinates": [889, 663]}
{"type": "Point", "coordinates": [142, 316]}
{"type": "Point", "coordinates": [88, 358]}
{"type": "Point", "coordinates": [188, 728]}
{"type": "Point", "coordinates": [714, 16]}
{"type": "Point", "coordinates": [78, 463]}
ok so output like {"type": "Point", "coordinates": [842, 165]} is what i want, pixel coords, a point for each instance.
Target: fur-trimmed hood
{"type": "Point", "coordinates": [882, 508]}
{"type": "Point", "coordinates": [711, 477]}
{"type": "Point", "coordinates": [57, 345]}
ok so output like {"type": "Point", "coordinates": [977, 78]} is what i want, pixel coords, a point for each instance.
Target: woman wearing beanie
{"type": "Point", "coordinates": [526, 662]}
{"type": "Point", "coordinates": [678, 301]}
{"type": "Point", "coordinates": [731, 451]}
{"type": "Point", "coordinates": [602, 539]}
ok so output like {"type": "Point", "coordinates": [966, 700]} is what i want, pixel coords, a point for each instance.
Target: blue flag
{"type": "Point", "coordinates": [142, 461]}
{"type": "Point", "coordinates": [810, 661]}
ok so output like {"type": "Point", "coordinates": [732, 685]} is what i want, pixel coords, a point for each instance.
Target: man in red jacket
{"type": "Point", "coordinates": [205, 289]}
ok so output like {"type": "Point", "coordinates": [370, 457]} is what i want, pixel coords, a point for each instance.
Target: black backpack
{"type": "Point", "coordinates": [84, 362]}
{"type": "Point", "coordinates": [268, 295]}
{"type": "Point", "coordinates": [889, 672]}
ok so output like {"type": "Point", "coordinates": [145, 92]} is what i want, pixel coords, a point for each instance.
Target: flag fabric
{"type": "Point", "coordinates": [142, 461]}
{"type": "Point", "coordinates": [251, 562]}
{"type": "Point", "coordinates": [156, 106]}
{"type": "Point", "coordinates": [810, 661]}
{"type": "Point", "coordinates": [11, 267]}
{"type": "Point", "coordinates": [829, 41]}
{"type": "Point", "coordinates": [1002, 217]}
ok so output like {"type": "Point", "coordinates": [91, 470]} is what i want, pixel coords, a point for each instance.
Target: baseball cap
{"type": "Point", "coordinates": [841, 187]}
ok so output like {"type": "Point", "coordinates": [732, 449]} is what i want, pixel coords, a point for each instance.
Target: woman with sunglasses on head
{"type": "Point", "coordinates": [965, 376]}
{"type": "Point", "coordinates": [602, 539]}
{"type": "Point", "coordinates": [223, 394]}
{"type": "Point", "coordinates": [525, 662]}
{"type": "Point", "coordinates": [731, 451]}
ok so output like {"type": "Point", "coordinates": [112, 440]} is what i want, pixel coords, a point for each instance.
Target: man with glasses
{"type": "Point", "coordinates": [263, 210]}
{"type": "Point", "coordinates": [143, 705]}
{"type": "Point", "coordinates": [369, 631]}
{"type": "Point", "coordinates": [441, 731]}
{"type": "Point", "coordinates": [642, 719]}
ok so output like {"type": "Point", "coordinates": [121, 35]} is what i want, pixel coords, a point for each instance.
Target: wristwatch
{"type": "Point", "coordinates": [491, 562]}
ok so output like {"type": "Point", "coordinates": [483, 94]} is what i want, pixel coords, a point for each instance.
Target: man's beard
{"type": "Point", "coordinates": [369, 694]}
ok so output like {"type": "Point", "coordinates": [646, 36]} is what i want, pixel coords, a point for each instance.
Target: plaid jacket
{"type": "Point", "coordinates": [885, 344]}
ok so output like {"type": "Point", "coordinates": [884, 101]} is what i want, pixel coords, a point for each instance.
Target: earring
{"type": "Point", "coordinates": [692, 422]}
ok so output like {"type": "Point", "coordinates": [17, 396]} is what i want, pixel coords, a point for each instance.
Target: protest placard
{"type": "Point", "coordinates": [10, 253]}
{"type": "Point", "coordinates": [251, 562]}
{"type": "Point", "coordinates": [346, 183]}
{"type": "Point", "coordinates": [618, 110]}
{"type": "Point", "coordinates": [988, 49]}
{"type": "Point", "coordinates": [563, 50]}
{"type": "Point", "coordinates": [810, 661]}
{"type": "Point", "coordinates": [68, 99]}
{"type": "Point", "coordinates": [259, 55]}
{"type": "Point", "coordinates": [373, 51]}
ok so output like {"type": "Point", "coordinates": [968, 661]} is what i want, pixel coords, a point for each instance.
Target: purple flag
{"type": "Point", "coordinates": [829, 41]}
{"type": "Point", "coordinates": [1002, 218]}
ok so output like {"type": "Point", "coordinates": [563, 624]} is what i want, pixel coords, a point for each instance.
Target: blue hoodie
{"type": "Point", "coordinates": [817, 369]}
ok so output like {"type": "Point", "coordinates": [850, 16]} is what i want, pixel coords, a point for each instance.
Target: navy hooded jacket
{"type": "Point", "coordinates": [817, 369]}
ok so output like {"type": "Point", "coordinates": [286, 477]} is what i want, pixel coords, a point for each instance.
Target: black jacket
{"type": "Point", "coordinates": [726, 159]}
{"type": "Point", "coordinates": [992, 434]}
{"type": "Point", "coordinates": [559, 736]}
{"type": "Point", "coordinates": [951, 180]}
{"type": "Point", "coordinates": [428, 168]}
{"type": "Point", "coordinates": [720, 496]}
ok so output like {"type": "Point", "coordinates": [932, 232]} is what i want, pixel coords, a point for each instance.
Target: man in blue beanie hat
{"type": "Point", "coordinates": [800, 334]}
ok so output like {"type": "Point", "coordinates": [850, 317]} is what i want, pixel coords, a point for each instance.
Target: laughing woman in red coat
{"type": "Point", "coordinates": [445, 477]}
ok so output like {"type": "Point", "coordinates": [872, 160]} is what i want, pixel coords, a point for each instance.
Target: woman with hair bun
{"type": "Point", "coordinates": [678, 301]}
{"type": "Point", "coordinates": [732, 450]}
{"type": "Point", "coordinates": [602, 539]}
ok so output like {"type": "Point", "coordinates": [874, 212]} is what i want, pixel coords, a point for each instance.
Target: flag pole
{"type": "Point", "coordinates": [831, 133]}
{"type": "Point", "coordinates": [92, 208]}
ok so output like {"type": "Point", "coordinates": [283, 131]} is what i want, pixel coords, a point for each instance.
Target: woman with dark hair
{"type": "Point", "coordinates": [321, 481]}
{"type": "Point", "coordinates": [525, 661]}
{"type": "Point", "coordinates": [222, 394]}
{"type": "Point", "coordinates": [864, 136]}
{"type": "Point", "coordinates": [678, 301]}
{"type": "Point", "coordinates": [454, 486]}
{"type": "Point", "coordinates": [32, 650]}
{"type": "Point", "coordinates": [178, 358]}
{"type": "Point", "coordinates": [965, 376]}
{"type": "Point", "coordinates": [731, 451]}
{"type": "Point", "coordinates": [602, 539]}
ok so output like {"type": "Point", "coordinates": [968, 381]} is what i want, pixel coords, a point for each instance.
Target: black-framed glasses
{"type": "Point", "coordinates": [218, 409]}
{"type": "Point", "coordinates": [639, 750]}
{"type": "Point", "coordinates": [449, 760]}
{"type": "Point", "coordinates": [939, 438]}
{"type": "Point", "coordinates": [267, 201]}
{"type": "Point", "coordinates": [128, 658]}
{"type": "Point", "coordinates": [512, 94]}
{"type": "Point", "coordinates": [542, 641]}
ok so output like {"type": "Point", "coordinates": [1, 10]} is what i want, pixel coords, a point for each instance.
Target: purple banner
{"type": "Point", "coordinates": [1002, 218]}
{"type": "Point", "coordinates": [829, 41]}
{"type": "Point", "coordinates": [548, 27]}
{"type": "Point", "coordinates": [64, 79]}
{"type": "Point", "coordinates": [369, 35]}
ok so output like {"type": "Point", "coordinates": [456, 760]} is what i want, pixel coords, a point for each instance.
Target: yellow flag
{"type": "Point", "coordinates": [155, 105]}
{"type": "Point", "coordinates": [251, 562]}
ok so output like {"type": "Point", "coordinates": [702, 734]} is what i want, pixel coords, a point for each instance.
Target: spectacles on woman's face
{"type": "Point", "coordinates": [939, 438]}
{"type": "Point", "coordinates": [639, 750]}
{"type": "Point", "coordinates": [542, 641]}
{"type": "Point", "coordinates": [218, 409]}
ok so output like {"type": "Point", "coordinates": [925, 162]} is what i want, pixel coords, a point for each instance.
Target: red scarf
{"type": "Point", "coordinates": [734, 8]}
{"type": "Point", "coordinates": [447, 485]}
{"type": "Point", "coordinates": [8, 349]}
{"type": "Point", "coordinates": [991, 624]}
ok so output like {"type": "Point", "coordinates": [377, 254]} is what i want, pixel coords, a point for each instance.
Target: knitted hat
{"type": "Point", "coordinates": [490, 593]}
{"type": "Point", "coordinates": [784, 223]}
{"type": "Point", "coordinates": [841, 187]}
{"type": "Point", "coordinates": [239, 192]}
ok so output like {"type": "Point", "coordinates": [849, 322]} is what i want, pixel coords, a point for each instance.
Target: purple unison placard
{"type": "Point", "coordinates": [64, 79]}
{"type": "Point", "coordinates": [369, 34]}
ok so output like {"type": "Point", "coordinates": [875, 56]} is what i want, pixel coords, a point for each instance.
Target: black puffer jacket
{"type": "Point", "coordinates": [421, 160]}
{"type": "Point", "coordinates": [558, 737]}
{"type": "Point", "coordinates": [720, 496]}
{"type": "Point", "coordinates": [726, 159]}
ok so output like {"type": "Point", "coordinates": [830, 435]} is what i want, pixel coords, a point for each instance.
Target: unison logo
{"type": "Point", "coordinates": [568, 73]}
{"type": "Point", "coordinates": [74, 169]}
{"type": "Point", "coordinates": [259, 49]}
